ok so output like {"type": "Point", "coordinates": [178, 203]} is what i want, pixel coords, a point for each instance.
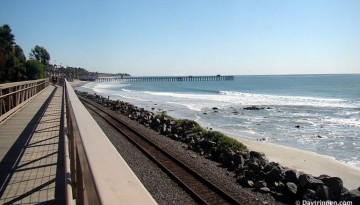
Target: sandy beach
{"type": "Point", "coordinates": [306, 161]}
{"type": "Point", "coordinates": [78, 83]}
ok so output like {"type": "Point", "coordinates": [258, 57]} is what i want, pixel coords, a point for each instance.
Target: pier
{"type": "Point", "coordinates": [165, 78]}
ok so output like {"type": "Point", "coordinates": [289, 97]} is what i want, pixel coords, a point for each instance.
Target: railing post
{"type": "Point", "coordinates": [1, 103]}
{"type": "Point", "coordinates": [14, 94]}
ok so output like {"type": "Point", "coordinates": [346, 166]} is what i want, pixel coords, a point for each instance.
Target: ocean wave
{"type": "Point", "coordinates": [246, 99]}
{"type": "Point", "coordinates": [263, 99]}
{"type": "Point", "coordinates": [195, 107]}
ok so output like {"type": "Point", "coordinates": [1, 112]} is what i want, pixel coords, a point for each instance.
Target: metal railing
{"type": "Point", "coordinates": [13, 95]}
{"type": "Point", "coordinates": [99, 175]}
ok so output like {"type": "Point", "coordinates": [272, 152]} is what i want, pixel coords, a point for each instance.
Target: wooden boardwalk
{"type": "Point", "coordinates": [32, 150]}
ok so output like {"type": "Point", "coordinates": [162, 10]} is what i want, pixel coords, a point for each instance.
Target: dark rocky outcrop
{"type": "Point", "coordinates": [253, 108]}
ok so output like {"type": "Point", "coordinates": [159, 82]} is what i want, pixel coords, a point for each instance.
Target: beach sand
{"type": "Point", "coordinates": [78, 83]}
{"type": "Point", "coordinates": [308, 162]}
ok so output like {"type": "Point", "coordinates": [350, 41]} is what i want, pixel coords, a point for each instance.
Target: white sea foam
{"type": "Point", "coordinates": [194, 107]}
{"type": "Point", "coordinates": [260, 99]}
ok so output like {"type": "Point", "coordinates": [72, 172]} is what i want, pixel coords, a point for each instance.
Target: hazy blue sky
{"type": "Point", "coordinates": [191, 37]}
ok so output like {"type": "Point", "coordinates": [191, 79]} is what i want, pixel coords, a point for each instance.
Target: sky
{"type": "Point", "coordinates": [192, 37]}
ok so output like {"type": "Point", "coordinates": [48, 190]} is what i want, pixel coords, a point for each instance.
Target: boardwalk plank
{"type": "Point", "coordinates": [29, 152]}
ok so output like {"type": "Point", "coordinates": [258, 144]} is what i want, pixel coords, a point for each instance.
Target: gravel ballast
{"type": "Point", "coordinates": [159, 184]}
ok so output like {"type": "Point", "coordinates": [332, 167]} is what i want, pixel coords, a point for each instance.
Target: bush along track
{"type": "Point", "coordinates": [252, 169]}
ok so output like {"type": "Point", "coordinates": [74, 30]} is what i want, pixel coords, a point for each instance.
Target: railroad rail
{"type": "Point", "coordinates": [202, 190]}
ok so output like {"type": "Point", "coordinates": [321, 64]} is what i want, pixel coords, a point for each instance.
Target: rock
{"type": "Point", "coordinates": [323, 193]}
{"type": "Point", "coordinates": [259, 184]}
{"type": "Point", "coordinates": [308, 195]}
{"type": "Point", "coordinates": [291, 176]}
{"type": "Point", "coordinates": [335, 184]}
{"type": "Point", "coordinates": [268, 167]}
{"type": "Point", "coordinates": [308, 181]}
{"type": "Point", "coordinates": [297, 126]}
{"type": "Point", "coordinates": [291, 189]}
{"type": "Point", "coordinates": [207, 144]}
{"type": "Point", "coordinates": [273, 175]}
{"type": "Point", "coordinates": [249, 174]}
{"type": "Point", "coordinates": [264, 190]}
{"type": "Point", "coordinates": [278, 187]}
{"type": "Point", "coordinates": [215, 108]}
{"type": "Point", "coordinates": [252, 108]}
{"type": "Point", "coordinates": [254, 166]}
{"type": "Point", "coordinates": [258, 155]}
{"type": "Point", "coordinates": [239, 159]}
{"type": "Point", "coordinates": [353, 196]}
{"type": "Point", "coordinates": [260, 176]}
{"type": "Point", "coordinates": [226, 157]}
{"type": "Point", "coordinates": [175, 136]}
{"type": "Point", "coordinates": [250, 183]}
{"type": "Point", "coordinates": [243, 181]}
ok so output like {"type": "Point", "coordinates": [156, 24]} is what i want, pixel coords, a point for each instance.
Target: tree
{"type": "Point", "coordinates": [7, 42]}
{"type": "Point", "coordinates": [19, 53]}
{"type": "Point", "coordinates": [41, 54]}
{"type": "Point", "coordinates": [34, 69]}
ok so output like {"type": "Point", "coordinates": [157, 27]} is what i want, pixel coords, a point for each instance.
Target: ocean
{"type": "Point", "coordinates": [325, 108]}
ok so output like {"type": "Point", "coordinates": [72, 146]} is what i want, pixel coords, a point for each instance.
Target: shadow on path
{"type": "Point", "coordinates": [10, 163]}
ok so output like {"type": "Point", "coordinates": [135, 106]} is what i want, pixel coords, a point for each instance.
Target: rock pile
{"type": "Point", "coordinates": [252, 169]}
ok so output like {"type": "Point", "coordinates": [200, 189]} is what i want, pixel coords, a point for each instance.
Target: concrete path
{"type": "Point", "coordinates": [32, 150]}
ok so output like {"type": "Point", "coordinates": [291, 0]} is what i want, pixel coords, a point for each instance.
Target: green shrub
{"type": "Point", "coordinates": [162, 115]}
{"type": "Point", "coordinates": [224, 142]}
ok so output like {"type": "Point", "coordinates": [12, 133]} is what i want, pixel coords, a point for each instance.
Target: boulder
{"type": "Point", "coordinates": [259, 184]}
{"type": "Point", "coordinates": [264, 190]}
{"type": "Point", "coordinates": [279, 187]}
{"type": "Point", "coordinates": [249, 174]}
{"type": "Point", "coordinates": [291, 176]}
{"type": "Point", "coordinates": [308, 195]}
{"type": "Point", "coordinates": [273, 175]}
{"type": "Point", "coordinates": [254, 166]}
{"type": "Point", "coordinates": [253, 108]}
{"type": "Point", "coordinates": [333, 183]}
{"type": "Point", "coordinates": [291, 189]}
{"type": "Point", "coordinates": [260, 175]}
{"type": "Point", "coordinates": [258, 155]}
{"type": "Point", "coordinates": [322, 192]}
{"type": "Point", "coordinates": [239, 159]}
{"type": "Point", "coordinates": [226, 157]}
{"type": "Point", "coordinates": [353, 196]}
{"type": "Point", "coordinates": [243, 181]}
{"type": "Point", "coordinates": [308, 181]}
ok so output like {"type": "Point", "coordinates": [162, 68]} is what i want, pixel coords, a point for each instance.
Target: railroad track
{"type": "Point", "coordinates": [202, 190]}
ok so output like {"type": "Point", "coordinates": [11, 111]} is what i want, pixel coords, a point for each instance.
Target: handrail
{"type": "Point", "coordinates": [3, 96]}
{"type": "Point", "coordinates": [14, 95]}
{"type": "Point", "coordinates": [99, 175]}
